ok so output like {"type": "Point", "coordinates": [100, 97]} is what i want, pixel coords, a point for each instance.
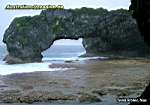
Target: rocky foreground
{"type": "Point", "coordinates": [89, 81]}
{"type": "Point", "coordinates": [104, 33]}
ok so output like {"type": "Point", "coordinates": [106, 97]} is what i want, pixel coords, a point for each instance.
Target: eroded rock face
{"type": "Point", "coordinates": [141, 12]}
{"type": "Point", "coordinates": [144, 96]}
{"type": "Point", "coordinates": [27, 37]}
{"type": "Point", "coordinates": [118, 35]}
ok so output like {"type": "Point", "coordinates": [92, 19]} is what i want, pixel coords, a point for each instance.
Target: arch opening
{"type": "Point", "coordinates": [64, 50]}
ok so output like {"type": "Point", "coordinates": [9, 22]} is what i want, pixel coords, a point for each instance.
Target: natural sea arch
{"type": "Point", "coordinates": [16, 45]}
{"type": "Point", "coordinates": [102, 31]}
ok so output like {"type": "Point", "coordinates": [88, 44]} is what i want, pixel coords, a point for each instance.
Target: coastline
{"type": "Point", "coordinates": [90, 81]}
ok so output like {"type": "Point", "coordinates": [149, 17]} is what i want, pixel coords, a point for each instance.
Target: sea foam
{"type": "Point", "coordinates": [6, 69]}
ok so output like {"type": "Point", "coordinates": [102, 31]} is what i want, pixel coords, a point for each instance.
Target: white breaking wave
{"type": "Point", "coordinates": [6, 69]}
{"type": "Point", "coordinates": [63, 58]}
{"type": "Point", "coordinates": [72, 58]}
{"type": "Point", "coordinates": [82, 53]}
{"type": "Point", "coordinates": [91, 58]}
{"type": "Point", "coordinates": [59, 59]}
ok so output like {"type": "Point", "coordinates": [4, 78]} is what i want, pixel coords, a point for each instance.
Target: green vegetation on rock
{"type": "Point", "coordinates": [103, 32]}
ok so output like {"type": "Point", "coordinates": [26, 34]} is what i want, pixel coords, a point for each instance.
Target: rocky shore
{"type": "Point", "coordinates": [90, 82]}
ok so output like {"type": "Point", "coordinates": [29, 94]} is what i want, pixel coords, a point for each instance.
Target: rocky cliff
{"type": "Point", "coordinates": [111, 32]}
{"type": "Point", "coordinates": [118, 35]}
{"type": "Point", "coordinates": [141, 12]}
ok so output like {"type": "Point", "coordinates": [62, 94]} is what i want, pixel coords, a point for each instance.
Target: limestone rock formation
{"type": "Point", "coordinates": [113, 31]}
{"type": "Point", "coordinates": [118, 35]}
{"type": "Point", "coordinates": [145, 96]}
{"type": "Point", "coordinates": [141, 12]}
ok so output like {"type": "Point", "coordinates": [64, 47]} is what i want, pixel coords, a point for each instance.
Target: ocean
{"type": "Point", "coordinates": [68, 52]}
{"type": "Point", "coordinates": [51, 55]}
{"type": "Point", "coordinates": [3, 52]}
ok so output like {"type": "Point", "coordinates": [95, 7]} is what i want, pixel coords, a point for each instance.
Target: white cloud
{"type": "Point", "coordinates": [68, 42]}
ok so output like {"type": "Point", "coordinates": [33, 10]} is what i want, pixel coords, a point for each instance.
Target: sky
{"type": "Point", "coordinates": [6, 16]}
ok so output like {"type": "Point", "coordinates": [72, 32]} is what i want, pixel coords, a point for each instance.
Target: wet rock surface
{"type": "Point", "coordinates": [89, 82]}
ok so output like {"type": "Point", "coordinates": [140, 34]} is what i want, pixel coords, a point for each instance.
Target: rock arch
{"type": "Point", "coordinates": [102, 31]}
